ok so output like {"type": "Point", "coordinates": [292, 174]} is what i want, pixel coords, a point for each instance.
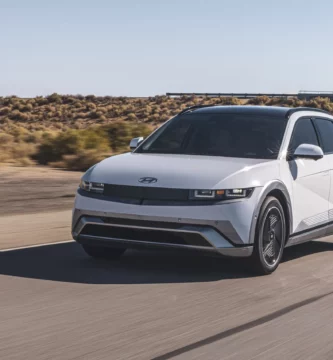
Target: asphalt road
{"type": "Point", "coordinates": [56, 303]}
{"type": "Point", "coordinates": [32, 190]}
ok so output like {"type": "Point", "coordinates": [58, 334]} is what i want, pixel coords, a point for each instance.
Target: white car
{"type": "Point", "coordinates": [241, 181]}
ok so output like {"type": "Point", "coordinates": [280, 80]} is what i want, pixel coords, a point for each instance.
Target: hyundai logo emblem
{"type": "Point", "coordinates": [148, 180]}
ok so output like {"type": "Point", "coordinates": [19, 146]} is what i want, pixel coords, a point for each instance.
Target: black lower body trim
{"type": "Point", "coordinates": [313, 233]}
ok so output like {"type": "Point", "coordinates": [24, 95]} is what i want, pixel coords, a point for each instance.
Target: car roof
{"type": "Point", "coordinates": [279, 111]}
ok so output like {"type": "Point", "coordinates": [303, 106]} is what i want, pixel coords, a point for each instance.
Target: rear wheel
{"type": "Point", "coordinates": [101, 252]}
{"type": "Point", "coordinates": [270, 237]}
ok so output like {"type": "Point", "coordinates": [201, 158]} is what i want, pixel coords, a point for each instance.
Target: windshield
{"type": "Point", "coordinates": [230, 135]}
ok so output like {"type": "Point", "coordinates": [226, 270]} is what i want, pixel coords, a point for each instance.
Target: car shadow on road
{"type": "Point", "coordinates": [309, 248]}
{"type": "Point", "coordinates": [68, 263]}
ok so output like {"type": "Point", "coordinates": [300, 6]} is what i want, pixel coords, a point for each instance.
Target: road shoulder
{"type": "Point", "coordinates": [34, 229]}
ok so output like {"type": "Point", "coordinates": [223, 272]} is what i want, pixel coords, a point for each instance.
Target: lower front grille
{"type": "Point", "coordinates": [146, 193]}
{"type": "Point", "coordinates": [145, 235]}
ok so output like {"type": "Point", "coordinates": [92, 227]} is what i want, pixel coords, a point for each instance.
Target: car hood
{"type": "Point", "coordinates": [183, 171]}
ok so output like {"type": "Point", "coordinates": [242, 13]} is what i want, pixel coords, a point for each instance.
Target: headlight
{"type": "Point", "coordinates": [92, 186]}
{"type": "Point", "coordinates": [220, 194]}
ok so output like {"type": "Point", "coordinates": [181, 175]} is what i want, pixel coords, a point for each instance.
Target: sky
{"type": "Point", "coordinates": [150, 47]}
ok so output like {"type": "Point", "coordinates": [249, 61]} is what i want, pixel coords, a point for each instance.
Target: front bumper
{"type": "Point", "coordinates": [223, 229]}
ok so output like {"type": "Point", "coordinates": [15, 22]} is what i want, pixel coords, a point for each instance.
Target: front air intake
{"type": "Point", "coordinates": [145, 235]}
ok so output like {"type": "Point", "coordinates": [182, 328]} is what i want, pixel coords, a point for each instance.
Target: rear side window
{"type": "Point", "coordinates": [325, 128]}
{"type": "Point", "coordinates": [304, 133]}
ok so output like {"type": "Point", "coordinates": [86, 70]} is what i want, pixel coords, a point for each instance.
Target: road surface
{"type": "Point", "coordinates": [58, 304]}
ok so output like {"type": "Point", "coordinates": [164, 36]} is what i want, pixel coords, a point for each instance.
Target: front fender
{"type": "Point", "coordinates": [274, 185]}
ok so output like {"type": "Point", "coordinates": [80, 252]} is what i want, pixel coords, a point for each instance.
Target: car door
{"type": "Point", "coordinates": [311, 180]}
{"type": "Point", "coordinates": [325, 131]}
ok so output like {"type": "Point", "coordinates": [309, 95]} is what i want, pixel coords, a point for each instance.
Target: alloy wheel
{"type": "Point", "coordinates": [272, 236]}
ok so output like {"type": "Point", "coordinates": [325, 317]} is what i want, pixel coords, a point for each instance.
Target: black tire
{"type": "Point", "coordinates": [101, 252]}
{"type": "Point", "coordinates": [270, 237]}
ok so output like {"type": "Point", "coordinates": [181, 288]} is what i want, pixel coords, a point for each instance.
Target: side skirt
{"type": "Point", "coordinates": [311, 234]}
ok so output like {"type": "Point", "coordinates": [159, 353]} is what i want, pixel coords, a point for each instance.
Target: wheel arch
{"type": "Point", "coordinates": [279, 191]}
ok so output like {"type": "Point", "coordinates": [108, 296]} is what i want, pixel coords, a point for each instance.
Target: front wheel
{"type": "Point", "coordinates": [101, 252]}
{"type": "Point", "coordinates": [270, 237]}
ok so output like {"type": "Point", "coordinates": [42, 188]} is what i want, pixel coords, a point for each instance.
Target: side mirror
{"type": "Point", "coordinates": [307, 151]}
{"type": "Point", "coordinates": [135, 142]}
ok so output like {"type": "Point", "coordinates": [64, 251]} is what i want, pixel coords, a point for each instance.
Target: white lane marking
{"type": "Point", "coordinates": [37, 245]}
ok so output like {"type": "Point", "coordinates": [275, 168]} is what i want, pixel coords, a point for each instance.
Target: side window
{"type": "Point", "coordinates": [304, 133]}
{"type": "Point", "coordinates": [325, 128]}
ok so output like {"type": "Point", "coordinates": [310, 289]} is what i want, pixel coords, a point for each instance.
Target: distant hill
{"type": "Point", "coordinates": [75, 131]}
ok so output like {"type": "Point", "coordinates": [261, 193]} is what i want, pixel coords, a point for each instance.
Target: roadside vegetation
{"type": "Point", "coordinates": [74, 132]}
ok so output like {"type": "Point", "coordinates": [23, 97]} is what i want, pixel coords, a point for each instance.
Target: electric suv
{"type": "Point", "coordinates": [240, 181]}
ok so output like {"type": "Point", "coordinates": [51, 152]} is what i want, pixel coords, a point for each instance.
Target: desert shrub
{"type": "Point", "coordinates": [275, 101]}
{"type": "Point", "coordinates": [54, 98]}
{"type": "Point", "coordinates": [153, 118]}
{"type": "Point", "coordinates": [80, 115]}
{"type": "Point", "coordinates": [79, 162]}
{"type": "Point", "coordinates": [77, 104]}
{"type": "Point", "coordinates": [6, 139]}
{"type": "Point", "coordinates": [131, 117]}
{"type": "Point", "coordinates": [15, 150]}
{"type": "Point", "coordinates": [18, 115]}
{"type": "Point", "coordinates": [5, 110]}
{"type": "Point", "coordinates": [50, 108]}
{"type": "Point", "coordinates": [32, 137]}
{"type": "Point", "coordinates": [91, 106]}
{"type": "Point", "coordinates": [53, 148]}
{"type": "Point", "coordinates": [260, 100]}
{"type": "Point", "coordinates": [102, 119]}
{"type": "Point", "coordinates": [19, 133]}
{"type": "Point", "coordinates": [9, 100]}
{"type": "Point", "coordinates": [230, 101]}
{"type": "Point", "coordinates": [26, 107]}
{"type": "Point", "coordinates": [40, 100]}
{"type": "Point", "coordinates": [91, 98]}
{"type": "Point", "coordinates": [321, 103]}
{"type": "Point", "coordinates": [103, 110]}
{"type": "Point", "coordinates": [68, 100]}
{"type": "Point", "coordinates": [121, 133]}
{"type": "Point", "coordinates": [22, 150]}
{"type": "Point", "coordinates": [93, 115]}
{"type": "Point", "coordinates": [95, 138]}
{"type": "Point", "coordinates": [60, 128]}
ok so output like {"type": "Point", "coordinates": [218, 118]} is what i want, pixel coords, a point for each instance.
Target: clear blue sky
{"type": "Point", "coordinates": [149, 47]}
